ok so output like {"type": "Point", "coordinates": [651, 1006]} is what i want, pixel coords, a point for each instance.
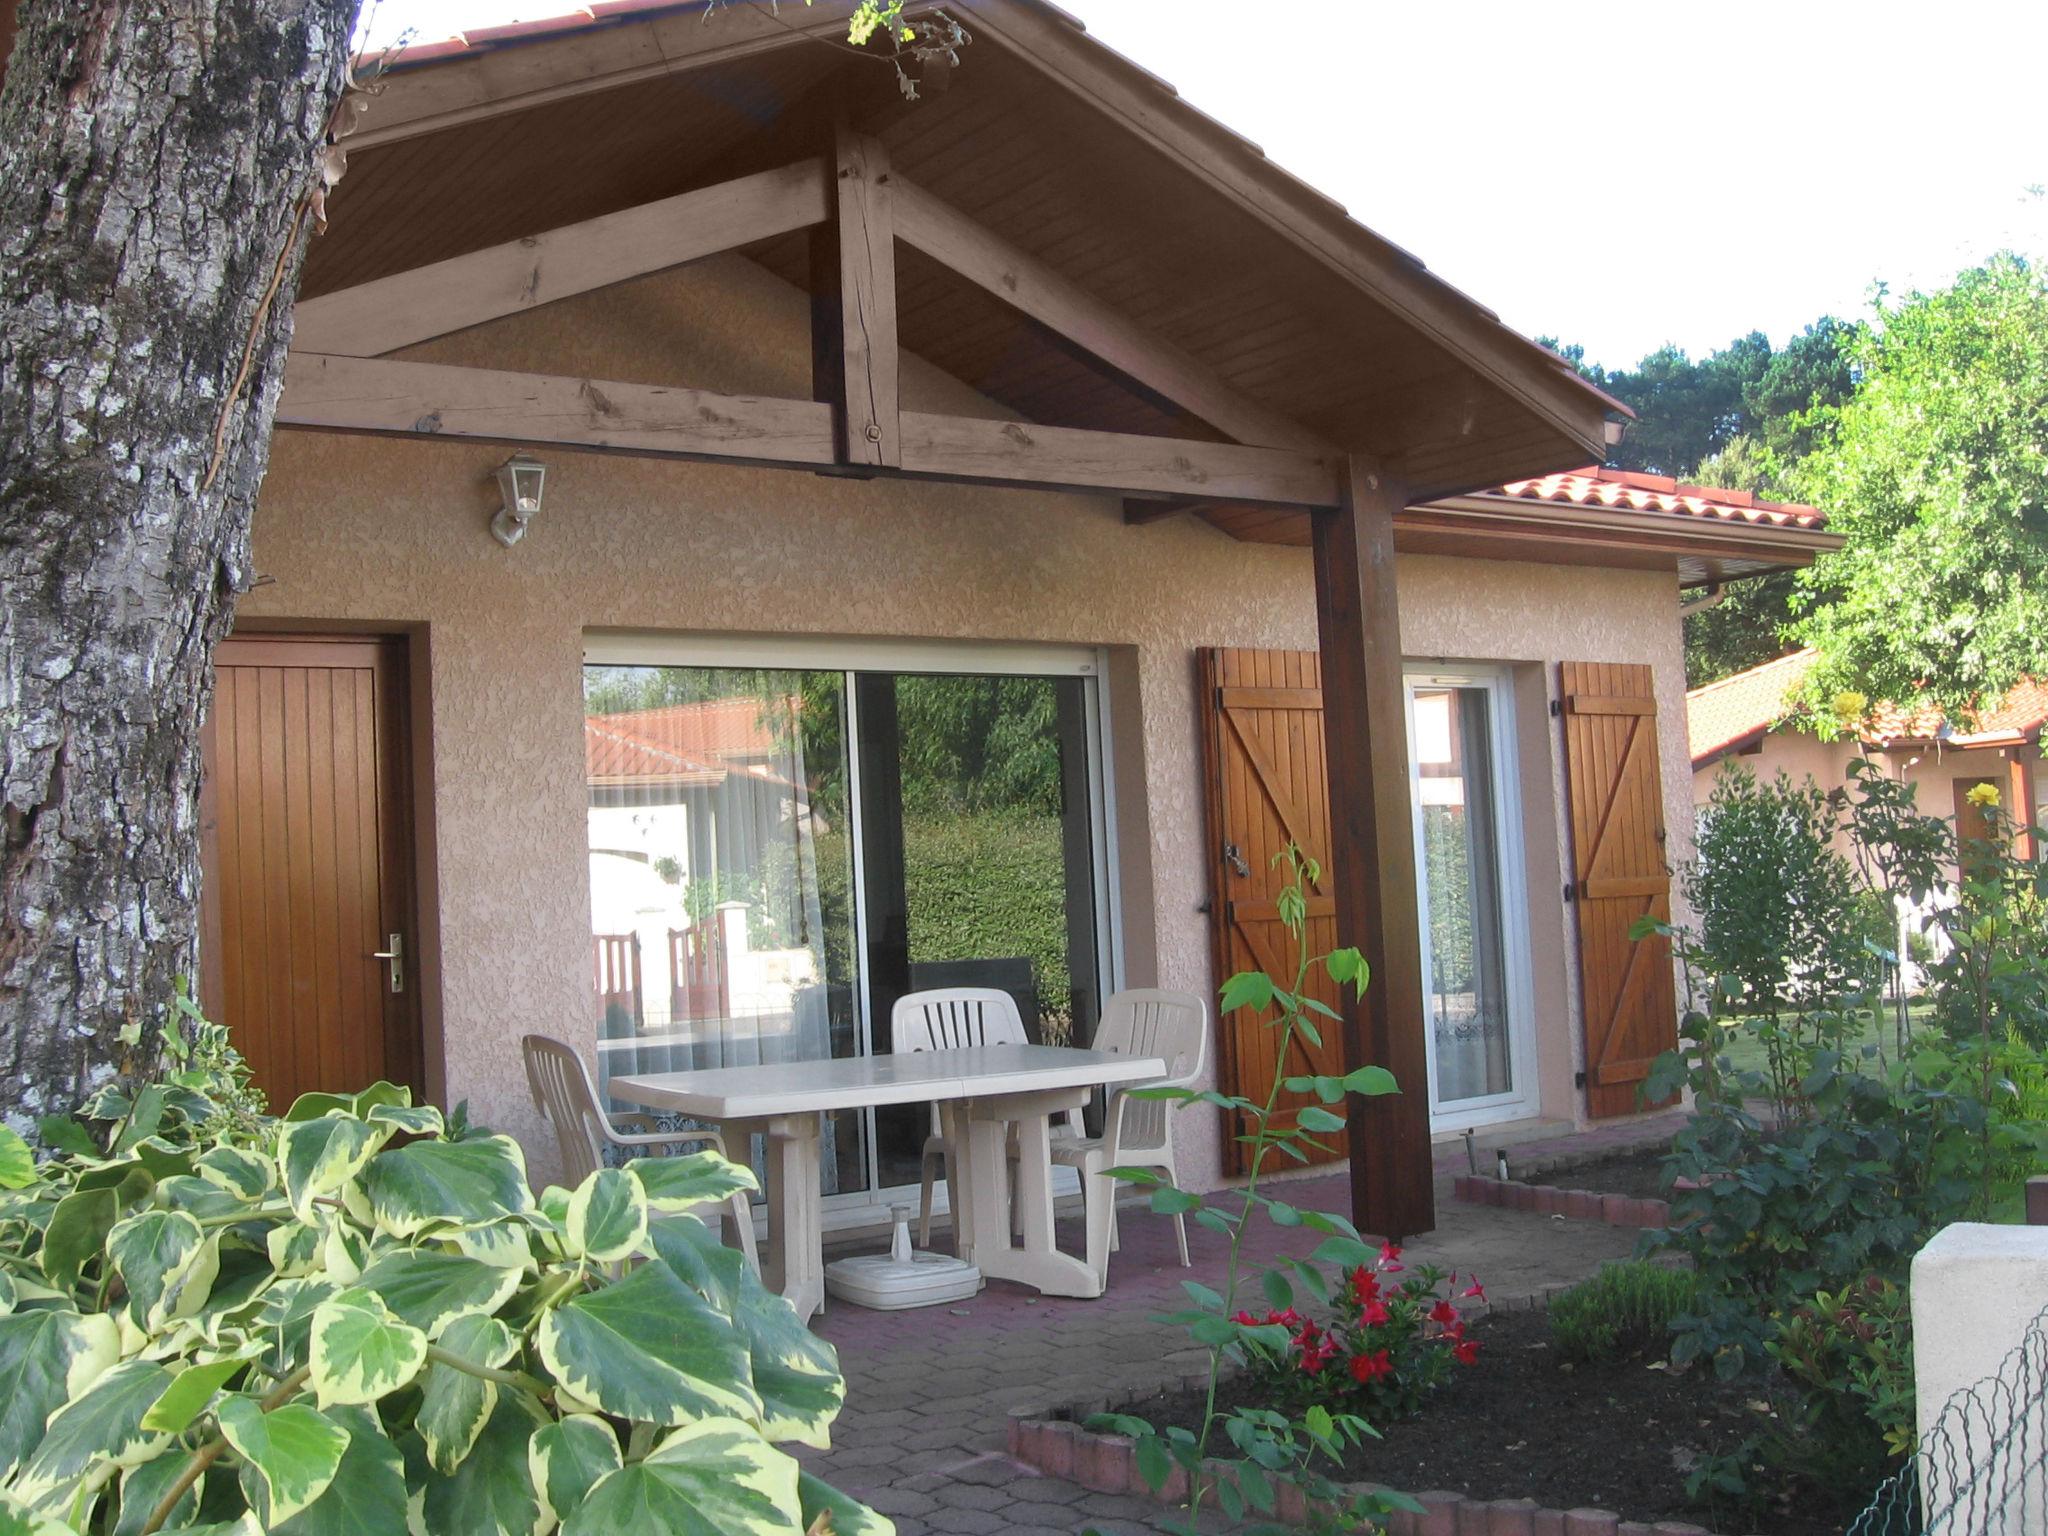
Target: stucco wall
{"type": "Point", "coordinates": [393, 532]}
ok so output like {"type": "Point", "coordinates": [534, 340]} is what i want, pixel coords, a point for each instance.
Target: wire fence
{"type": "Point", "coordinates": [1982, 1470]}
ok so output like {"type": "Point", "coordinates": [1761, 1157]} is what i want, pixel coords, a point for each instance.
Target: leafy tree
{"type": "Point", "coordinates": [1937, 471]}
{"type": "Point", "coordinates": [1746, 628]}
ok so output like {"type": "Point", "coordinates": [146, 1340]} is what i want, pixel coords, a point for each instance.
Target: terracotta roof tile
{"type": "Point", "coordinates": [2019, 714]}
{"type": "Point", "coordinates": [1598, 486]}
{"type": "Point", "coordinates": [1723, 715]}
{"type": "Point", "coordinates": [679, 743]}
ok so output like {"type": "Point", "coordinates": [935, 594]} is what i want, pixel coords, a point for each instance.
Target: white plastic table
{"type": "Point", "coordinates": [983, 1091]}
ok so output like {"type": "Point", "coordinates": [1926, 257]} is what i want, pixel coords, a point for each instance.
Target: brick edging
{"type": "Point", "coordinates": [1551, 1200]}
{"type": "Point", "coordinates": [1108, 1463]}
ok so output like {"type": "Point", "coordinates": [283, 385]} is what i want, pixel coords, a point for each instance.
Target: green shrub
{"type": "Point", "coordinates": [360, 1319]}
{"type": "Point", "coordinates": [1623, 1313]}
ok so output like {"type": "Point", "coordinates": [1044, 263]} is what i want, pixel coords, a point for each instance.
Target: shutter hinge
{"type": "Point", "coordinates": [1556, 708]}
{"type": "Point", "coordinates": [1578, 1079]}
{"type": "Point", "coordinates": [1571, 892]}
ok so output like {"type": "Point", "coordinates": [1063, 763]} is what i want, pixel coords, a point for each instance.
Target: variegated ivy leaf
{"type": "Point", "coordinates": [289, 1454]}
{"type": "Point", "coordinates": [459, 1182]}
{"type": "Point", "coordinates": [92, 1437]}
{"type": "Point", "coordinates": [237, 1170]}
{"type": "Point", "coordinates": [295, 1248]}
{"type": "Point", "coordinates": [607, 1217]}
{"type": "Point", "coordinates": [47, 1358]}
{"type": "Point", "coordinates": [554, 1204]}
{"type": "Point", "coordinates": [455, 1404]}
{"type": "Point", "coordinates": [676, 1183]}
{"type": "Point", "coordinates": [361, 1350]}
{"type": "Point", "coordinates": [145, 1485]}
{"type": "Point", "coordinates": [199, 1197]}
{"type": "Point", "coordinates": [503, 1244]}
{"type": "Point", "coordinates": [151, 1251]}
{"type": "Point", "coordinates": [413, 1119]}
{"type": "Point", "coordinates": [367, 1495]}
{"type": "Point", "coordinates": [17, 1519]}
{"type": "Point", "coordinates": [317, 1157]}
{"type": "Point", "coordinates": [826, 1508]}
{"type": "Point", "coordinates": [78, 1228]}
{"type": "Point", "coordinates": [648, 1347]}
{"type": "Point", "coordinates": [491, 1493]}
{"type": "Point", "coordinates": [566, 1459]}
{"type": "Point", "coordinates": [17, 1162]}
{"type": "Point", "coordinates": [430, 1289]}
{"type": "Point", "coordinates": [342, 1252]}
{"type": "Point", "coordinates": [9, 1295]}
{"type": "Point", "coordinates": [795, 1372]}
{"type": "Point", "coordinates": [711, 1478]}
{"type": "Point", "coordinates": [190, 1393]}
{"type": "Point", "coordinates": [286, 1321]}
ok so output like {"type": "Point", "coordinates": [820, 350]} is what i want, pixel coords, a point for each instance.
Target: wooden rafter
{"type": "Point", "coordinates": [435, 400]}
{"type": "Point", "coordinates": [983, 258]}
{"type": "Point", "coordinates": [408, 307]}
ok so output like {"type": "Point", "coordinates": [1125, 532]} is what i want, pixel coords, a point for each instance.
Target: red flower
{"type": "Point", "coordinates": [1390, 1258]}
{"type": "Point", "coordinates": [1315, 1356]}
{"type": "Point", "coordinates": [1371, 1367]}
{"type": "Point", "coordinates": [1245, 1319]}
{"type": "Point", "coordinates": [1443, 1312]}
{"type": "Point", "coordinates": [1375, 1315]}
{"type": "Point", "coordinates": [1365, 1285]}
{"type": "Point", "coordinates": [1467, 1351]}
{"type": "Point", "coordinates": [1474, 1289]}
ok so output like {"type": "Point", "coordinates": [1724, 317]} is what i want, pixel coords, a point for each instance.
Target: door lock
{"type": "Point", "coordinates": [394, 958]}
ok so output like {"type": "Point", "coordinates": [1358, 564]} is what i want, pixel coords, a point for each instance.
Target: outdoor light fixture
{"type": "Point", "coordinates": [519, 482]}
{"type": "Point", "coordinates": [1613, 427]}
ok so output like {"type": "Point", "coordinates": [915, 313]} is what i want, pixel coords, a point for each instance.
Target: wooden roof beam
{"type": "Point", "coordinates": [855, 359]}
{"type": "Point", "coordinates": [986, 260]}
{"type": "Point", "coordinates": [377, 395]}
{"type": "Point", "coordinates": [408, 307]}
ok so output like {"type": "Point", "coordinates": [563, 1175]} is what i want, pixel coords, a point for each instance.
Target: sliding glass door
{"type": "Point", "coordinates": [778, 853]}
{"type": "Point", "coordinates": [1473, 934]}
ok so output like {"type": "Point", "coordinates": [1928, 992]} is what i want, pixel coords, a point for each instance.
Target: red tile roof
{"type": "Point", "coordinates": [1724, 715]}
{"type": "Point", "coordinates": [678, 743]}
{"type": "Point", "coordinates": [2016, 717]}
{"type": "Point", "coordinates": [1620, 488]}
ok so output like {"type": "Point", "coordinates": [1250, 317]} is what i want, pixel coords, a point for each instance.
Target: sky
{"type": "Point", "coordinates": [1622, 176]}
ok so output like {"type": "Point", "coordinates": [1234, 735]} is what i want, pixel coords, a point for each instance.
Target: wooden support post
{"type": "Point", "coordinates": [1372, 847]}
{"type": "Point", "coordinates": [853, 303]}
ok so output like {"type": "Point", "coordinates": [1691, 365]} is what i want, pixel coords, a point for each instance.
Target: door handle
{"type": "Point", "coordinates": [1235, 860]}
{"type": "Point", "coordinates": [394, 958]}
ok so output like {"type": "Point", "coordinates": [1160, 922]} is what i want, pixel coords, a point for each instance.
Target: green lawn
{"type": "Point", "coordinates": [1746, 1053]}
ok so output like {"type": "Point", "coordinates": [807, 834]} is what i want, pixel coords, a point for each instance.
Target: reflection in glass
{"type": "Point", "coordinates": [1461, 877]}
{"type": "Point", "coordinates": [721, 875]}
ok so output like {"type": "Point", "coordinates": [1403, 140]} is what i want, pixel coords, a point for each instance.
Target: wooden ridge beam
{"type": "Point", "coordinates": [408, 307]}
{"type": "Point", "coordinates": [984, 259]}
{"type": "Point", "coordinates": [435, 400]}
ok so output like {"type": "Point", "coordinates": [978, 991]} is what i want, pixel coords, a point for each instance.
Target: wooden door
{"type": "Point", "coordinates": [307, 855]}
{"type": "Point", "coordinates": [1268, 786]}
{"type": "Point", "coordinates": [1619, 875]}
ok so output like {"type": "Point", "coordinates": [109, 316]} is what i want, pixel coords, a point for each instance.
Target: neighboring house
{"type": "Point", "coordinates": [1071, 467]}
{"type": "Point", "coordinates": [1751, 719]}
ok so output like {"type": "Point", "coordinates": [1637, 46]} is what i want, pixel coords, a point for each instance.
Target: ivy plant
{"type": "Point", "coordinates": [360, 1318]}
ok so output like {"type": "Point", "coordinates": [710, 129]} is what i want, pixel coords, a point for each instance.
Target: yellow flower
{"type": "Point", "coordinates": [1983, 794]}
{"type": "Point", "coordinates": [1850, 705]}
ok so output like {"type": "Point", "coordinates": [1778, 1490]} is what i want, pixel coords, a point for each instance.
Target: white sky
{"type": "Point", "coordinates": [1612, 173]}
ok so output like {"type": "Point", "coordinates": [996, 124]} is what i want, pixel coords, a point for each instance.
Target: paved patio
{"type": "Point", "coordinates": [921, 1438]}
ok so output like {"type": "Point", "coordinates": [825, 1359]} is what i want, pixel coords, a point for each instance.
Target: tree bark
{"type": "Point", "coordinates": [157, 158]}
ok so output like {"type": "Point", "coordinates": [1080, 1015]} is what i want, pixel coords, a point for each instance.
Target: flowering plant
{"type": "Point", "coordinates": [1392, 1336]}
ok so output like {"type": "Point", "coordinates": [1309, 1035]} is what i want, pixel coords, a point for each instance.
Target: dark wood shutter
{"type": "Point", "coordinates": [1268, 786]}
{"type": "Point", "coordinates": [1619, 875]}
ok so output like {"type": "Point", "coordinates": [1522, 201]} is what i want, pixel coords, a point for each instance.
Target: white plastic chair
{"type": "Point", "coordinates": [950, 1019]}
{"type": "Point", "coordinates": [562, 1090]}
{"type": "Point", "coordinates": [1145, 1021]}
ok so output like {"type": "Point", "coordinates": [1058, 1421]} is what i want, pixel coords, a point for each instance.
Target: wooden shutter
{"type": "Point", "coordinates": [1268, 786]}
{"type": "Point", "coordinates": [1619, 875]}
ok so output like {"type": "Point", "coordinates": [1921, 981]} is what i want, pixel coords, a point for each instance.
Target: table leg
{"type": "Point", "coordinates": [982, 1188]}
{"type": "Point", "coordinates": [1037, 1262]}
{"type": "Point", "coordinates": [796, 1233]}
{"type": "Point", "coordinates": [959, 1158]}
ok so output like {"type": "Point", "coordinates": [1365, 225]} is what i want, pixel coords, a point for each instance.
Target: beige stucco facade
{"type": "Point", "coordinates": [392, 533]}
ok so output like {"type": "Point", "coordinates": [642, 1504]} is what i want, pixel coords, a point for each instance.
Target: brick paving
{"type": "Point", "coordinates": [928, 1391]}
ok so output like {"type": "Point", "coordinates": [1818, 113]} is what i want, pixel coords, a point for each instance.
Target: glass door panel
{"type": "Point", "coordinates": [721, 875]}
{"type": "Point", "coordinates": [978, 852]}
{"type": "Point", "coordinates": [1458, 833]}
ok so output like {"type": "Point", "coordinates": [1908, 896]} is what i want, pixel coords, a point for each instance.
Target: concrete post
{"type": "Point", "coordinates": [1976, 1291]}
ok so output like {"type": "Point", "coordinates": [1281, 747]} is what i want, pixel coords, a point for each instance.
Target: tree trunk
{"type": "Point", "coordinates": [156, 160]}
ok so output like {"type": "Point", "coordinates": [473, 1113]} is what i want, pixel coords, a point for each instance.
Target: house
{"type": "Point", "coordinates": [1752, 720]}
{"type": "Point", "coordinates": [1040, 477]}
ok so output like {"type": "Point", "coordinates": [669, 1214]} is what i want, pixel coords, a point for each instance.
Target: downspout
{"type": "Point", "coordinates": [1716, 595]}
